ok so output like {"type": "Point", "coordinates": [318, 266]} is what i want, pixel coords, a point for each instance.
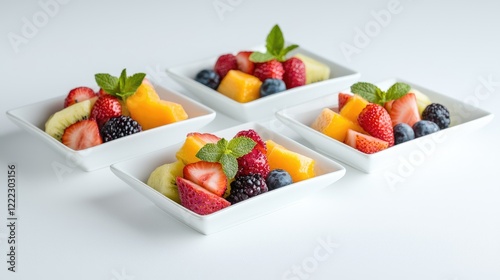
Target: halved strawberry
{"type": "Point", "coordinates": [365, 143]}
{"type": "Point", "coordinates": [208, 175]}
{"type": "Point", "coordinates": [343, 98]}
{"type": "Point", "coordinates": [78, 94]}
{"type": "Point", "coordinates": [405, 110]}
{"type": "Point", "coordinates": [388, 105]}
{"type": "Point", "coordinates": [252, 134]}
{"type": "Point", "coordinates": [225, 63]}
{"type": "Point", "coordinates": [205, 137]}
{"type": "Point", "coordinates": [295, 73]}
{"type": "Point", "coordinates": [244, 63]}
{"type": "Point", "coordinates": [106, 107]}
{"type": "Point", "coordinates": [375, 120]}
{"type": "Point", "coordinates": [198, 199]}
{"type": "Point", "coordinates": [81, 135]}
{"type": "Point", "coordinates": [272, 69]}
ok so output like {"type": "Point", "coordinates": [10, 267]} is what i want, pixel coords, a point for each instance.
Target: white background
{"type": "Point", "coordinates": [441, 223]}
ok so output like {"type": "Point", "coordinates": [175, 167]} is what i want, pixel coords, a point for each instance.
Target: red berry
{"type": "Point", "coordinates": [225, 63]}
{"type": "Point", "coordinates": [272, 69]}
{"type": "Point", "coordinates": [252, 134]}
{"type": "Point", "coordinates": [343, 98]}
{"type": "Point", "coordinates": [244, 63]}
{"type": "Point", "coordinates": [208, 175]}
{"type": "Point", "coordinates": [404, 110]}
{"type": "Point", "coordinates": [198, 199]}
{"type": "Point", "coordinates": [254, 162]}
{"type": "Point", "coordinates": [78, 94]}
{"type": "Point", "coordinates": [104, 108]}
{"type": "Point", "coordinates": [365, 143]}
{"type": "Point", "coordinates": [375, 120]}
{"type": "Point", "coordinates": [295, 73]}
{"type": "Point", "coordinates": [81, 135]}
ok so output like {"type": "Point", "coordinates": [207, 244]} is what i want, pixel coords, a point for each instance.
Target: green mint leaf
{"type": "Point", "coordinates": [260, 57]}
{"type": "Point", "coordinates": [229, 165]}
{"type": "Point", "coordinates": [222, 145]}
{"type": "Point", "coordinates": [275, 41]}
{"type": "Point", "coordinates": [240, 146]}
{"type": "Point", "coordinates": [132, 83]}
{"type": "Point", "coordinates": [368, 91]}
{"type": "Point", "coordinates": [107, 82]}
{"type": "Point", "coordinates": [123, 79]}
{"type": "Point", "coordinates": [210, 152]}
{"type": "Point", "coordinates": [285, 51]}
{"type": "Point", "coordinates": [397, 90]}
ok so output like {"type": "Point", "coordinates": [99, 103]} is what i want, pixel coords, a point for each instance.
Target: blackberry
{"type": "Point", "coordinates": [423, 127]}
{"type": "Point", "coordinates": [402, 133]}
{"type": "Point", "coordinates": [245, 187]}
{"type": "Point", "coordinates": [118, 127]}
{"type": "Point", "coordinates": [438, 114]}
{"type": "Point", "coordinates": [209, 78]}
{"type": "Point", "coordinates": [278, 178]}
{"type": "Point", "coordinates": [271, 86]}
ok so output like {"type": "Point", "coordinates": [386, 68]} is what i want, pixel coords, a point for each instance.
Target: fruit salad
{"type": "Point", "coordinates": [371, 120]}
{"type": "Point", "coordinates": [250, 75]}
{"type": "Point", "coordinates": [122, 106]}
{"type": "Point", "coordinates": [212, 173]}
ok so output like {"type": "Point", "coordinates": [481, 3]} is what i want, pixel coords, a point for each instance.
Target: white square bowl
{"type": "Point", "coordinates": [262, 108]}
{"type": "Point", "coordinates": [32, 118]}
{"type": "Point", "coordinates": [136, 172]}
{"type": "Point", "coordinates": [464, 118]}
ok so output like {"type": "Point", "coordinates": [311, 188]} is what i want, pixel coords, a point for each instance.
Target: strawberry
{"type": "Point", "coordinates": [295, 73]}
{"type": "Point", "coordinates": [405, 110]}
{"type": "Point", "coordinates": [254, 162]}
{"type": "Point", "coordinates": [205, 137]}
{"type": "Point", "coordinates": [208, 175]}
{"type": "Point", "coordinates": [365, 143]}
{"type": "Point", "coordinates": [81, 135]}
{"type": "Point", "coordinates": [244, 63]}
{"type": "Point", "coordinates": [77, 95]}
{"type": "Point", "coordinates": [225, 63]}
{"type": "Point", "coordinates": [388, 106]}
{"type": "Point", "coordinates": [271, 69]}
{"type": "Point", "coordinates": [101, 92]}
{"type": "Point", "coordinates": [375, 120]}
{"type": "Point", "coordinates": [198, 199]}
{"type": "Point", "coordinates": [104, 108]}
{"type": "Point", "coordinates": [252, 134]}
{"type": "Point", "coordinates": [343, 98]}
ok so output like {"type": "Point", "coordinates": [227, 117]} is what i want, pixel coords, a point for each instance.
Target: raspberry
{"type": "Point", "coordinates": [269, 70]}
{"type": "Point", "coordinates": [254, 162]}
{"type": "Point", "coordinates": [252, 134]}
{"type": "Point", "coordinates": [295, 73]}
{"type": "Point", "coordinates": [118, 127]}
{"type": "Point", "coordinates": [245, 187]}
{"type": "Point", "coordinates": [225, 63]}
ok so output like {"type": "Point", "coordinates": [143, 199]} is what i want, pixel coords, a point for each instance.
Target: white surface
{"type": "Point", "coordinates": [136, 171]}
{"type": "Point", "coordinates": [464, 119]}
{"type": "Point", "coordinates": [32, 118]}
{"type": "Point", "coordinates": [441, 223]}
{"type": "Point", "coordinates": [262, 108]}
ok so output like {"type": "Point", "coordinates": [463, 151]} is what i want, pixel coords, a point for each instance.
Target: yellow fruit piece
{"type": "Point", "coordinates": [334, 125]}
{"type": "Point", "coordinates": [240, 86]}
{"type": "Point", "coordinates": [270, 145]}
{"type": "Point", "coordinates": [163, 179]}
{"type": "Point", "coordinates": [192, 144]}
{"type": "Point", "coordinates": [149, 111]}
{"type": "Point", "coordinates": [353, 107]}
{"type": "Point", "coordinates": [298, 166]}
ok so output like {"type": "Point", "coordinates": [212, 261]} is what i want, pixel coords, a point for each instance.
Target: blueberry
{"type": "Point", "coordinates": [424, 127]}
{"type": "Point", "coordinates": [278, 178]}
{"type": "Point", "coordinates": [209, 78]}
{"type": "Point", "coordinates": [402, 133]}
{"type": "Point", "coordinates": [437, 113]}
{"type": "Point", "coordinates": [271, 86]}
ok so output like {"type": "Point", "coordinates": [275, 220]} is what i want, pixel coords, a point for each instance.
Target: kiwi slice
{"type": "Point", "coordinates": [163, 178]}
{"type": "Point", "coordinates": [315, 70]}
{"type": "Point", "coordinates": [59, 121]}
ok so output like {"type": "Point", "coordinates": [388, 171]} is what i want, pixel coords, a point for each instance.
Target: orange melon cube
{"type": "Point", "coordinates": [298, 166]}
{"type": "Point", "coordinates": [270, 145]}
{"type": "Point", "coordinates": [353, 107]}
{"type": "Point", "coordinates": [334, 125]}
{"type": "Point", "coordinates": [240, 86]}
{"type": "Point", "coordinates": [193, 143]}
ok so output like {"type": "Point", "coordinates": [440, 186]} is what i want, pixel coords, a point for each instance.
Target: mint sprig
{"type": "Point", "coordinates": [373, 94]}
{"type": "Point", "coordinates": [226, 153]}
{"type": "Point", "coordinates": [275, 47]}
{"type": "Point", "coordinates": [121, 87]}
